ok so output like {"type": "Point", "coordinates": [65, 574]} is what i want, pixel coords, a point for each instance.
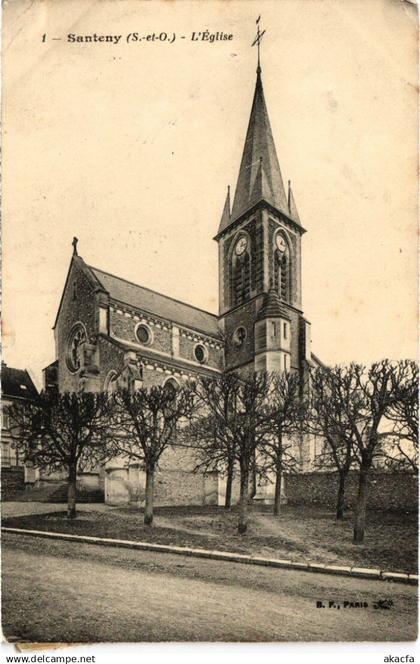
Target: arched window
{"type": "Point", "coordinates": [170, 387]}
{"type": "Point", "coordinates": [282, 278]}
{"type": "Point", "coordinates": [111, 384]}
{"type": "Point", "coordinates": [241, 271]}
{"type": "Point", "coordinates": [171, 384]}
{"type": "Point", "coordinates": [75, 340]}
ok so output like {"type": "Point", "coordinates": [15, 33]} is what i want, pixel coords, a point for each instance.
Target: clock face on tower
{"type": "Point", "coordinates": [281, 243]}
{"type": "Point", "coordinates": [241, 246]}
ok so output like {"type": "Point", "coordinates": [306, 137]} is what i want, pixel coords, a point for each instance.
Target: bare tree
{"type": "Point", "coordinates": [145, 424]}
{"type": "Point", "coordinates": [404, 414]}
{"type": "Point", "coordinates": [213, 427]}
{"type": "Point", "coordinates": [251, 426]}
{"type": "Point", "coordinates": [285, 407]}
{"type": "Point", "coordinates": [376, 390]}
{"type": "Point", "coordinates": [63, 431]}
{"type": "Point", "coordinates": [233, 425]}
{"type": "Point", "coordinates": [331, 402]}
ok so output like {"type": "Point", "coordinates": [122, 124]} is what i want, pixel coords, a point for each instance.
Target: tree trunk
{"type": "Point", "coordinates": [360, 517]}
{"type": "Point", "coordinates": [150, 490]}
{"type": "Point", "coordinates": [279, 469]}
{"type": "Point", "coordinates": [277, 491]}
{"type": "Point", "coordinates": [341, 495]}
{"type": "Point", "coordinates": [71, 493]}
{"type": "Point", "coordinates": [243, 502]}
{"type": "Point", "coordinates": [253, 491]}
{"type": "Point", "coordinates": [229, 482]}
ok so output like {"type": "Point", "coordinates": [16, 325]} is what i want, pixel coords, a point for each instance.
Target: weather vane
{"type": "Point", "coordinates": [257, 41]}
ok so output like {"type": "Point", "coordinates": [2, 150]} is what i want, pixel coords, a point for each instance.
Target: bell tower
{"type": "Point", "coordinates": [259, 240]}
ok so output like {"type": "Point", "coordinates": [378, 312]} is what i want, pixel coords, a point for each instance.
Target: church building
{"type": "Point", "coordinates": [110, 332]}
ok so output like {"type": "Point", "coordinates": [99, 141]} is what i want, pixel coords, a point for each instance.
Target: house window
{"type": "Point", "coordinates": [273, 329]}
{"type": "Point", "coordinates": [285, 330]}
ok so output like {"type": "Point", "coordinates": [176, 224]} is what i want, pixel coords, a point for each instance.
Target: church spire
{"type": "Point", "coordinates": [259, 162]}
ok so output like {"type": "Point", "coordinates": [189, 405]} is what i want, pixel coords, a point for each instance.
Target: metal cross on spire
{"type": "Point", "coordinates": [257, 42]}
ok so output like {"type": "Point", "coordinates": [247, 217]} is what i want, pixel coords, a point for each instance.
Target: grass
{"type": "Point", "coordinates": [300, 533]}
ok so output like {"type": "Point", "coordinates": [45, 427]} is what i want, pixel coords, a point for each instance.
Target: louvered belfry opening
{"type": "Point", "coordinates": [241, 279]}
{"type": "Point", "coordinates": [282, 275]}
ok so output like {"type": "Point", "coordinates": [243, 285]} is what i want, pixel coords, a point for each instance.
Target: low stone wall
{"type": "Point", "coordinates": [12, 482]}
{"type": "Point", "coordinates": [172, 487]}
{"type": "Point", "coordinates": [387, 491]}
{"type": "Point", "coordinates": [175, 487]}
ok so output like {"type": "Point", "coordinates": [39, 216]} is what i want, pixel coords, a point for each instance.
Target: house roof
{"type": "Point", "coordinates": [155, 303]}
{"type": "Point", "coordinates": [17, 383]}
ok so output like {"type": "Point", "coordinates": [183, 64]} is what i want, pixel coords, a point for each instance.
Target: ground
{"type": "Point", "coordinates": [56, 591]}
{"type": "Point", "coordinates": [300, 533]}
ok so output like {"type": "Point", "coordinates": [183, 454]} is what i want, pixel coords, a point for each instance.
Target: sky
{"type": "Point", "coordinates": [130, 147]}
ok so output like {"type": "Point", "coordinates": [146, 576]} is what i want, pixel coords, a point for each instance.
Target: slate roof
{"type": "Point", "coordinates": [226, 216]}
{"type": "Point", "coordinates": [17, 383]}
{"type": "Point", "coordinates": [292, 206]}
{"type": "Point", "coordinates": [316, 361]}
{"type": "Point", "coordinates": [155, 303]}
{"type": "Point", "coordinates": [259, 176]}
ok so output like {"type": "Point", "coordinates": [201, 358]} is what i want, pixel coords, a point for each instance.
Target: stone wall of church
{"type": "Point", "coordinates": [123, 324]}
{"type": "Point", "coordinates": [156, 375]}
{"type": "Point", "coordinates": [168, 339]}
{"type": "Point", "coordinates": [188, 342]}
{"type": "Point", "coordinates": [295, 354]}
{"type": "Point", "coordinates": [111, 359]}
{"type": "Point", "coordinates": [78, 304]}
{"type": "Point", "coordinates": [243, 316]}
